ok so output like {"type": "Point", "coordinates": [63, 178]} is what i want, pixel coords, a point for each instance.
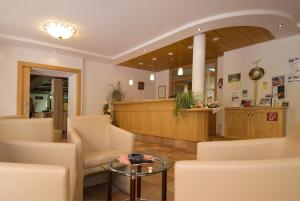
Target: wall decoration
{"type": "Point", "coordinates": [272, 116]}
{"type": "Point", "coordinates": [246, 103]}
{"type": "Point", "coordinates": [256, 74]}
{"type": "Point", "coordinates": [294, 70]}
{"type": "Point", "coordinates": [245, 93]}
{"type": "Point", "coordinates": [234, 81]}
{"type": "Point", "coordinates": [141, 85]}
{"type": "Point", "coordinates": [265, 86]}
{"type": "Point", "coordinates": [278, 88]}
{"type": "Point", "coordinates": [162, 91]}
{"type": "Point", "coordinates": [220, 83]}
{"type": "Point", "coordinates": [235, 99]}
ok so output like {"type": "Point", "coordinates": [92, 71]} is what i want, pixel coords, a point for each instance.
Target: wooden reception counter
{"type": "Point", "coordinates": [156, 118]}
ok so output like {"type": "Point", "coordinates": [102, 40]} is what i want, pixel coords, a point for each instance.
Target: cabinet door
{"type": "Point", "coordinates": [237, 124]}
{"type": "Point", "coordinates": [266, 123]}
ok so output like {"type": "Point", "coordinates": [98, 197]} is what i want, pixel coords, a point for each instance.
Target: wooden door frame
{"type": "Point", "coordinates": [20, 92]}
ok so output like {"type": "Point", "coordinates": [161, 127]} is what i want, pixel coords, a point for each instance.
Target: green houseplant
{"type": "Point", "coordinates": [185, 100]}
{"type": "Point", "coordinates": [116, 93]}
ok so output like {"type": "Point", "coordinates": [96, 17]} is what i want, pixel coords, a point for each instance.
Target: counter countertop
{"type": "Point", "coordinates": [254, 107]}
{"type": "Point", "coordinates": [144, 101]}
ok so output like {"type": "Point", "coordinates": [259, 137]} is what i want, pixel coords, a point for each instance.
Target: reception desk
{"type": "Point", "coordinates": [156, 118]}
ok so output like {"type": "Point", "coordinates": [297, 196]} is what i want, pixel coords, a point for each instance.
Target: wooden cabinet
{"type": "Point", "coordinates": [254, 122]}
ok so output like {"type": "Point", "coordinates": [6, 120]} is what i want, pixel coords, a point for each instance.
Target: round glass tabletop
{"type": "Point", "coordinates": [158, 164]}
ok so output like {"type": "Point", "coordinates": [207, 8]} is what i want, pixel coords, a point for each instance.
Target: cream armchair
{"type": "Point", "coordinates": [35, 171]}
{"type": "Point", "coordinates": [261, 169]}
{"type": "Point", "coordinates": [15, 128]}
{"type": "Point", "coordinates": [97, 142]}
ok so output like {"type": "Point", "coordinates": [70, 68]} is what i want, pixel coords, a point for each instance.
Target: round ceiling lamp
{"type": "Point", "coordinates": [60, 30]}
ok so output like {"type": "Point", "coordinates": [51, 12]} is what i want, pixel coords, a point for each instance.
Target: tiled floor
{"type": "Point", "coordinates": [151, 185]}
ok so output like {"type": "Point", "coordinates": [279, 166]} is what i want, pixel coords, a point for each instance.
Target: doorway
{"type": "Point", "coordinates": [25, 70]}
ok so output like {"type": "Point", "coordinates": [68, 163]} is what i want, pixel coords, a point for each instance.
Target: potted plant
{"type": "Point", "coordinates": [116, 94]}
{"type": "Point", "coordinates": [185, 100]}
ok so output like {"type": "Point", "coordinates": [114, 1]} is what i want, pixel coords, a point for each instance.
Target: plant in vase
{"type": "Point", "coordinates": [185, 100]}
{"type": "Point", "coordinates": [116, 94]}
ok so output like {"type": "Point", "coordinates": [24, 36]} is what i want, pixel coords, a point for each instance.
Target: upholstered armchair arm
{"type": "Point", "coordinates": [73, 138]}
{"type": "Point", "coordinates": [276, 179]}
{"type": "Point", "coordinates": [121, 139]}
{"type": "Point", "coordinates": [61, 154]}
{"type": "Point", "coordinates": [240, 149]}
{"type": "Point", "coordinates": [28, 182]}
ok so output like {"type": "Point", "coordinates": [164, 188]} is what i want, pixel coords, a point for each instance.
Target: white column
{"type": "Point", "coordinates": [198, 78]}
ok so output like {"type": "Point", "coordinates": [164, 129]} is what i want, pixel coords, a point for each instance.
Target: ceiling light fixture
{"type": "Point", "coordinates": [130, 82]}
{"type": "Point", "coordinates": [199, 29]}
{"type": "Point", "coordinates": [190, 47]}
{"type": "Point", "coordinates": [170, 53]}
{"type": "Point", "coordinates": [280, 25]}
{"type": "Point", "coordinates": [144, 50]}
{"type": "Point", "coordinates": [60, 30]}
{"type": "Point", "coordinates": [212, 69]}
{"type": "Point", "coordinates": [152, 73]}
{"type": "Point", "coordinates": [151, 76]}
{"type": "Point", "coordinates": [140, 63]}
{"type": "Point", "coordinates": [180, 70]}
{"type": "Point", "coordinates": [154, 59]}
{"type": "Point", "coordinates": [215, 39]}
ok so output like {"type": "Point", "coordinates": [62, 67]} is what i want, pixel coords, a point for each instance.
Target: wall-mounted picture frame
{"type": "Point", "coordinates": [141, 85]}
{"type": "Point", "coordinates": [161, 91]}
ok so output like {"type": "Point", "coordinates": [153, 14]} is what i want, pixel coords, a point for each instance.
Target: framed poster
{"type": "Point", "coordinates": [162, 91]}
{"type": "Point", "coordinates": [234, 81]}
{"type": "Point", "coordinates": [278, 88]}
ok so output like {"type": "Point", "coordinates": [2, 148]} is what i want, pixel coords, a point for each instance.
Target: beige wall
{"type": "Point", "coordinates": [99, 76]}
{"type": "Point", "coordinates": [274, 55]}
{"type": "Point", "coordinates": [96, 77]}
{"type": "Point", "coordinates": [9, 57]}
{"type": "Point", "coordinates": [162, 78]}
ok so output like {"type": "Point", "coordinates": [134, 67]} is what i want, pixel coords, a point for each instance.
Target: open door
{"type": "Point", "coordinates": [23, 91]}
{"type": "Point", "coordinates": [23, 86]}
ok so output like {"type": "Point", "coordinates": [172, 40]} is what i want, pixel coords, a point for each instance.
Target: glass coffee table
{"type": "Point", "coordinates": [160, 164]}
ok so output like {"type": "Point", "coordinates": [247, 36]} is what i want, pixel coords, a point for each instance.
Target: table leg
{"type": "Point", "coordinates": [109, 185]}
{"type": "Point", "coordinates": [164, 185]}
{"type": "Point", "coordinates": [132, 187]}
{"type": "Point", "coordinates": [139, 183]}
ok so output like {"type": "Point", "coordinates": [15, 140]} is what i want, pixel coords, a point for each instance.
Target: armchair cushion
{"type": "Point", "coordinates": [93, 158]}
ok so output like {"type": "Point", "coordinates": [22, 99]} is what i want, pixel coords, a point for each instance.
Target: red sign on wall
{"type": "Point", "coordinates": [272, 116]}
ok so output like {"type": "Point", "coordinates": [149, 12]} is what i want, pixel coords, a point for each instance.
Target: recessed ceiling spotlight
{"type": "Point", "coordinates": [144, 50]}
{"type": "Point", "coordinates": [154, 59]}
{"type": "Point", "coordinates": [190, 47]}
{"type": "Point", "coordinates": [60, 30]}
{"type": "Point", "coordinates": [199, 29]}
{"type": "Point", "coordinates": [280, 25]}
{"type": "Point", "coordinates": [170, 53]}
{"type": "Point", "coordinates": [215, 39]}
{"type": "Point", "coordinates": [140, 63]}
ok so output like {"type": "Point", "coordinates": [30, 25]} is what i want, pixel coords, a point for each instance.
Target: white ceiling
{"type": "Point", "coordinates": [122, 29]}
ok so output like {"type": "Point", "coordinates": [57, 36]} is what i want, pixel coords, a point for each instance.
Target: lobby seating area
{"type": "Point", "coordinates": [173, 100]}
